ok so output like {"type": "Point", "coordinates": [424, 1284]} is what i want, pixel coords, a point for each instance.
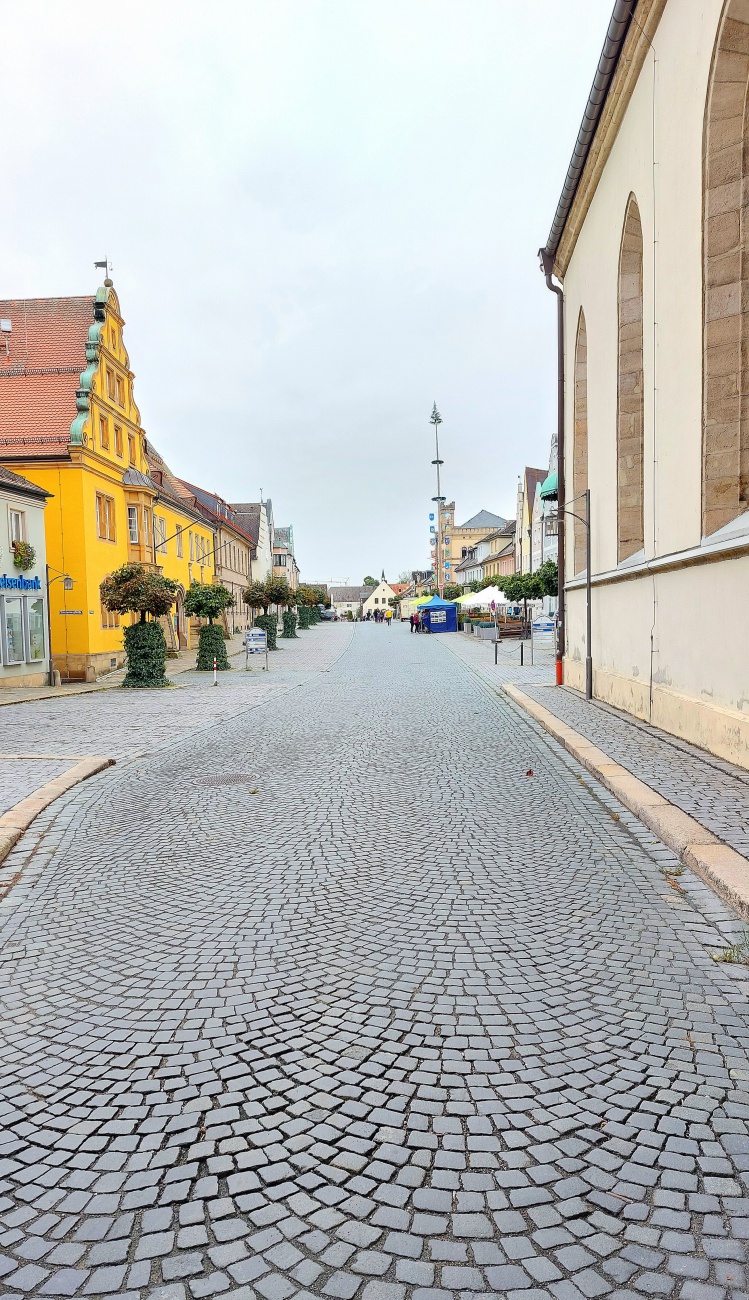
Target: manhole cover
{"type": "Point", "coordinates": [235, 778]}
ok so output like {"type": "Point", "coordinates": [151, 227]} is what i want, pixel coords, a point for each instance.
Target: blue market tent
{"type": "Point", "coordinates": [439, 615]}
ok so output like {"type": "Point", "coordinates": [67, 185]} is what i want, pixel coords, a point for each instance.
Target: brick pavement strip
{"type": "Point", "coordinates": [717, 863]}
{"type": "Point", "coordinates": [407, 1024]}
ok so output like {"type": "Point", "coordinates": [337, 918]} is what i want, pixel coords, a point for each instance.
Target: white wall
{"type": "Point", "coordinates": [33, 509]}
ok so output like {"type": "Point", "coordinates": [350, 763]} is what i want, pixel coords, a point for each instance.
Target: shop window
{"type": "Point", "coordinates": [132, 524]}
{"type": "Point", "coordinates": [105, 525]}
{"type": "Point", "coordinates": [18, 526]}
{"type": "Point", "coordinates": [117, 440]}
{"type": "Point", "coordinates": [13, 644]}
{"type": "Point", "coordinates": [104, 433]}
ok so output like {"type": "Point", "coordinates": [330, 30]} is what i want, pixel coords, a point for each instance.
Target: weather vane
{"type": "Point", "coordinates": [106, 267]}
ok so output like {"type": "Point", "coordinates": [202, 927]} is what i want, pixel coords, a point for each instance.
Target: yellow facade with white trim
{"type": "Point", "coordinates": [102, 508]}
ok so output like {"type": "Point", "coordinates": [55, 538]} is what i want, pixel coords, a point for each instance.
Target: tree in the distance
{"type": "Point", "coordinates": [452, 591]}
{"type": "Point", "coordinates": [133, 589]}
{"type": "Point", "coordinates": [209, 600]}
{"type": "Point", "coordinates": [369, 581]}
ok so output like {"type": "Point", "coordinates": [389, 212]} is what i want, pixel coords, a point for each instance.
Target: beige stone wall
{"type": "Point", "coordinates": [670, 645]}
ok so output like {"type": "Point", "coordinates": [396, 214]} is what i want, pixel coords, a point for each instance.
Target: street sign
{"type": "Point", "coordinates": [431, 516]}
{"type": "Point", "coordinates": [255, 643]}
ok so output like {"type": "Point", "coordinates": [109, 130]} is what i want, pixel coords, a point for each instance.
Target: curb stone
{"type": "Point", "coordinates": [716, 863]}
{"type": "Point", "coordinates": [17, 819]}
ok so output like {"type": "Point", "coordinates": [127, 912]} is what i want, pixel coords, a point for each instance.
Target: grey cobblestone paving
{"type": "Point", "coordinates": [713, 791]}
{"type": "Point", "coordinates": [108, 723]}
{"type": "Point", "coordinates": [407, 1024]}
{"type": "Point", "coordinates": [19, 777]}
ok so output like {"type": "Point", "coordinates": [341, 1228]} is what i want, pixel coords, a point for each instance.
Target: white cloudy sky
{"type": "Point", "coordinates": [322, 215]}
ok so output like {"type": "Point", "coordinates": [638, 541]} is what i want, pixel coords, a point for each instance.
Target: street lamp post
{"type": "Point", "coordinates": [436, 419]}
{"type": "Point", "coordinates": [585, 521]}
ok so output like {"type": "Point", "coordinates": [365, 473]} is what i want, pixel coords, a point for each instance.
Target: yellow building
{"type": "Point", "coordinates": [69, 423]}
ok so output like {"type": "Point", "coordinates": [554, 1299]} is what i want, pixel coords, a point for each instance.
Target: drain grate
{"type": "Point", "coordinates": [231, 778]}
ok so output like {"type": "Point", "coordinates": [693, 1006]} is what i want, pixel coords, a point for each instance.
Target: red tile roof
{"type": "Point", "coordinates": [41, 360]}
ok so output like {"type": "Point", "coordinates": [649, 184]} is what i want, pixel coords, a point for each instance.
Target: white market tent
{"type": "Point", "coordinates": [482, 599]}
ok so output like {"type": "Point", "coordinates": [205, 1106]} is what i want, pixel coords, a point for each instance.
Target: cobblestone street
{"type": "Point", "coordinates": [348, 982]}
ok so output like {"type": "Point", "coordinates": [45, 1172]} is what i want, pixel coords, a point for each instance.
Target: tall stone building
{"type": "Point", "coordinates": [649, 243]}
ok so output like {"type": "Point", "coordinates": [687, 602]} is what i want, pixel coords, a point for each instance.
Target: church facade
{"type": "Point", "coordinates": [649, 244]}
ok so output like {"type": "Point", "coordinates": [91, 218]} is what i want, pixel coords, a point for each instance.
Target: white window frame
{"type": "Point", "coordinates": [20, 515]}
{"type": "Point", "coordinates": [132, 525]}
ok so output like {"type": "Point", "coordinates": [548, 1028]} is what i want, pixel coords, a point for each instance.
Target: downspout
{"type": "Point", "coordinates": [547, 264]}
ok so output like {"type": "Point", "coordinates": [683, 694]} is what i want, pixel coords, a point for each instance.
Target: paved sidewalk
{"type": "Point", "coordinates": [174, 668]}
{"type": "Point", "coordinates": [396, 1022]}
{"type": "Point", "coordinates": [709, 789]}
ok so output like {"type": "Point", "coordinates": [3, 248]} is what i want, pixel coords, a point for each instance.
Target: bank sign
{"type": "Point", "coordinates": [19, 584]}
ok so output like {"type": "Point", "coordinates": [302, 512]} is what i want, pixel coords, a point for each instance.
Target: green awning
{"type": "Point", "coordinates": [550, 487]}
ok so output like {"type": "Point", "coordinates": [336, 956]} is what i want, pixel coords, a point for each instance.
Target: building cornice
{"type": "Point", "coordinates": [635, 49]}
{"type": "Point", "coordinates": [732, 548]}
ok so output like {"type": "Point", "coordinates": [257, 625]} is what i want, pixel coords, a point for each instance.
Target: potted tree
{"type": "Point", "coordinates": [279, 594]}
{"type": "Point", "coordinates": [305, 597]}
{"type": "Point", "coordinates": [133, 589]}
{"type": "Point", "coordinates": [209, 600]}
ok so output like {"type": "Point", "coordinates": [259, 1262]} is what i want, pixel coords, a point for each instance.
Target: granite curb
{"type": "Point", "coordinates": [17, 819]}
{"type": "Point", "coordinates": [716, 863]}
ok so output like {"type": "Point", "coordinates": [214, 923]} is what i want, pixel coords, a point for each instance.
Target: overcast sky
{"type": "Point", "coordinates": [322, 216]}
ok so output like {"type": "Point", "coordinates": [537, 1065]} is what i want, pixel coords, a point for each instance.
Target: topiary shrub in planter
{"type": "Point", "coordinates": [304, 616]}
{"type": "Point", "coordinates": [145, 647]}
{"type": "Point", "coordinates": [209, 600]}
{"type": "Point", "coordinates": [212, 645]}
{"type": "Point", "coordinates": [132, 589]}
{"type": "Point", "coordinates": [269, 624]}
{"type": "Point", "coordinates": [289, 625]}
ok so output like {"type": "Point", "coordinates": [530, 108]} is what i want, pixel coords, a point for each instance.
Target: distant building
{"type": "Point", "coordinates": [255, 518]}
{"type": "Point", "coordinates": [348, 600]}
{"type": "Point", "coordinates": [233, 553]}
{"type": "Point", "coordinates": [284, 560]}
{"type": "Point", "coordinates": [531, 480]}
{"type": "Point", "coordinates": [453, 541]}
{"type": "Point", "coordinates": [379, 598]}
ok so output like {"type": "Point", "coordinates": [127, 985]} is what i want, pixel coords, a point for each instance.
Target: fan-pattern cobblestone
{"type": "Point", "coordinates": [408, 1023]}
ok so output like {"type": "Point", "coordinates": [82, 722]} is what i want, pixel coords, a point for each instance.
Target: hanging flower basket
{"type": "Point", "coordinates": [24, 555]}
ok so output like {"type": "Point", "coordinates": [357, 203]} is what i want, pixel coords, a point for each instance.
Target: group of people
{"type": "Point", "coordinates": [416, 623]}
{"type": "Point", "coordinates": [379, 616]}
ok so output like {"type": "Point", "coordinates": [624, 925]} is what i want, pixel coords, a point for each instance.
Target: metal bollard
{"type": "Point", "coordinates": [496, 643]}
{"type": "Point", "coordinates": [521, 654]}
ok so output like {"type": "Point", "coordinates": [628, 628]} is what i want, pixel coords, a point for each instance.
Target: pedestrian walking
{"type": "Point", "coordinates": [417, 623]}
{"type": "Point", "coordinates": [388, 616]}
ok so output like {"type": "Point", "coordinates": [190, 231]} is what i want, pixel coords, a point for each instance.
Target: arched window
{"type": "Point", "coordinates": [580, 439]}
{"type": "Point", "coordinates": [630, 405]}
{"type": "Point", "coordinates": [725, 436]}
